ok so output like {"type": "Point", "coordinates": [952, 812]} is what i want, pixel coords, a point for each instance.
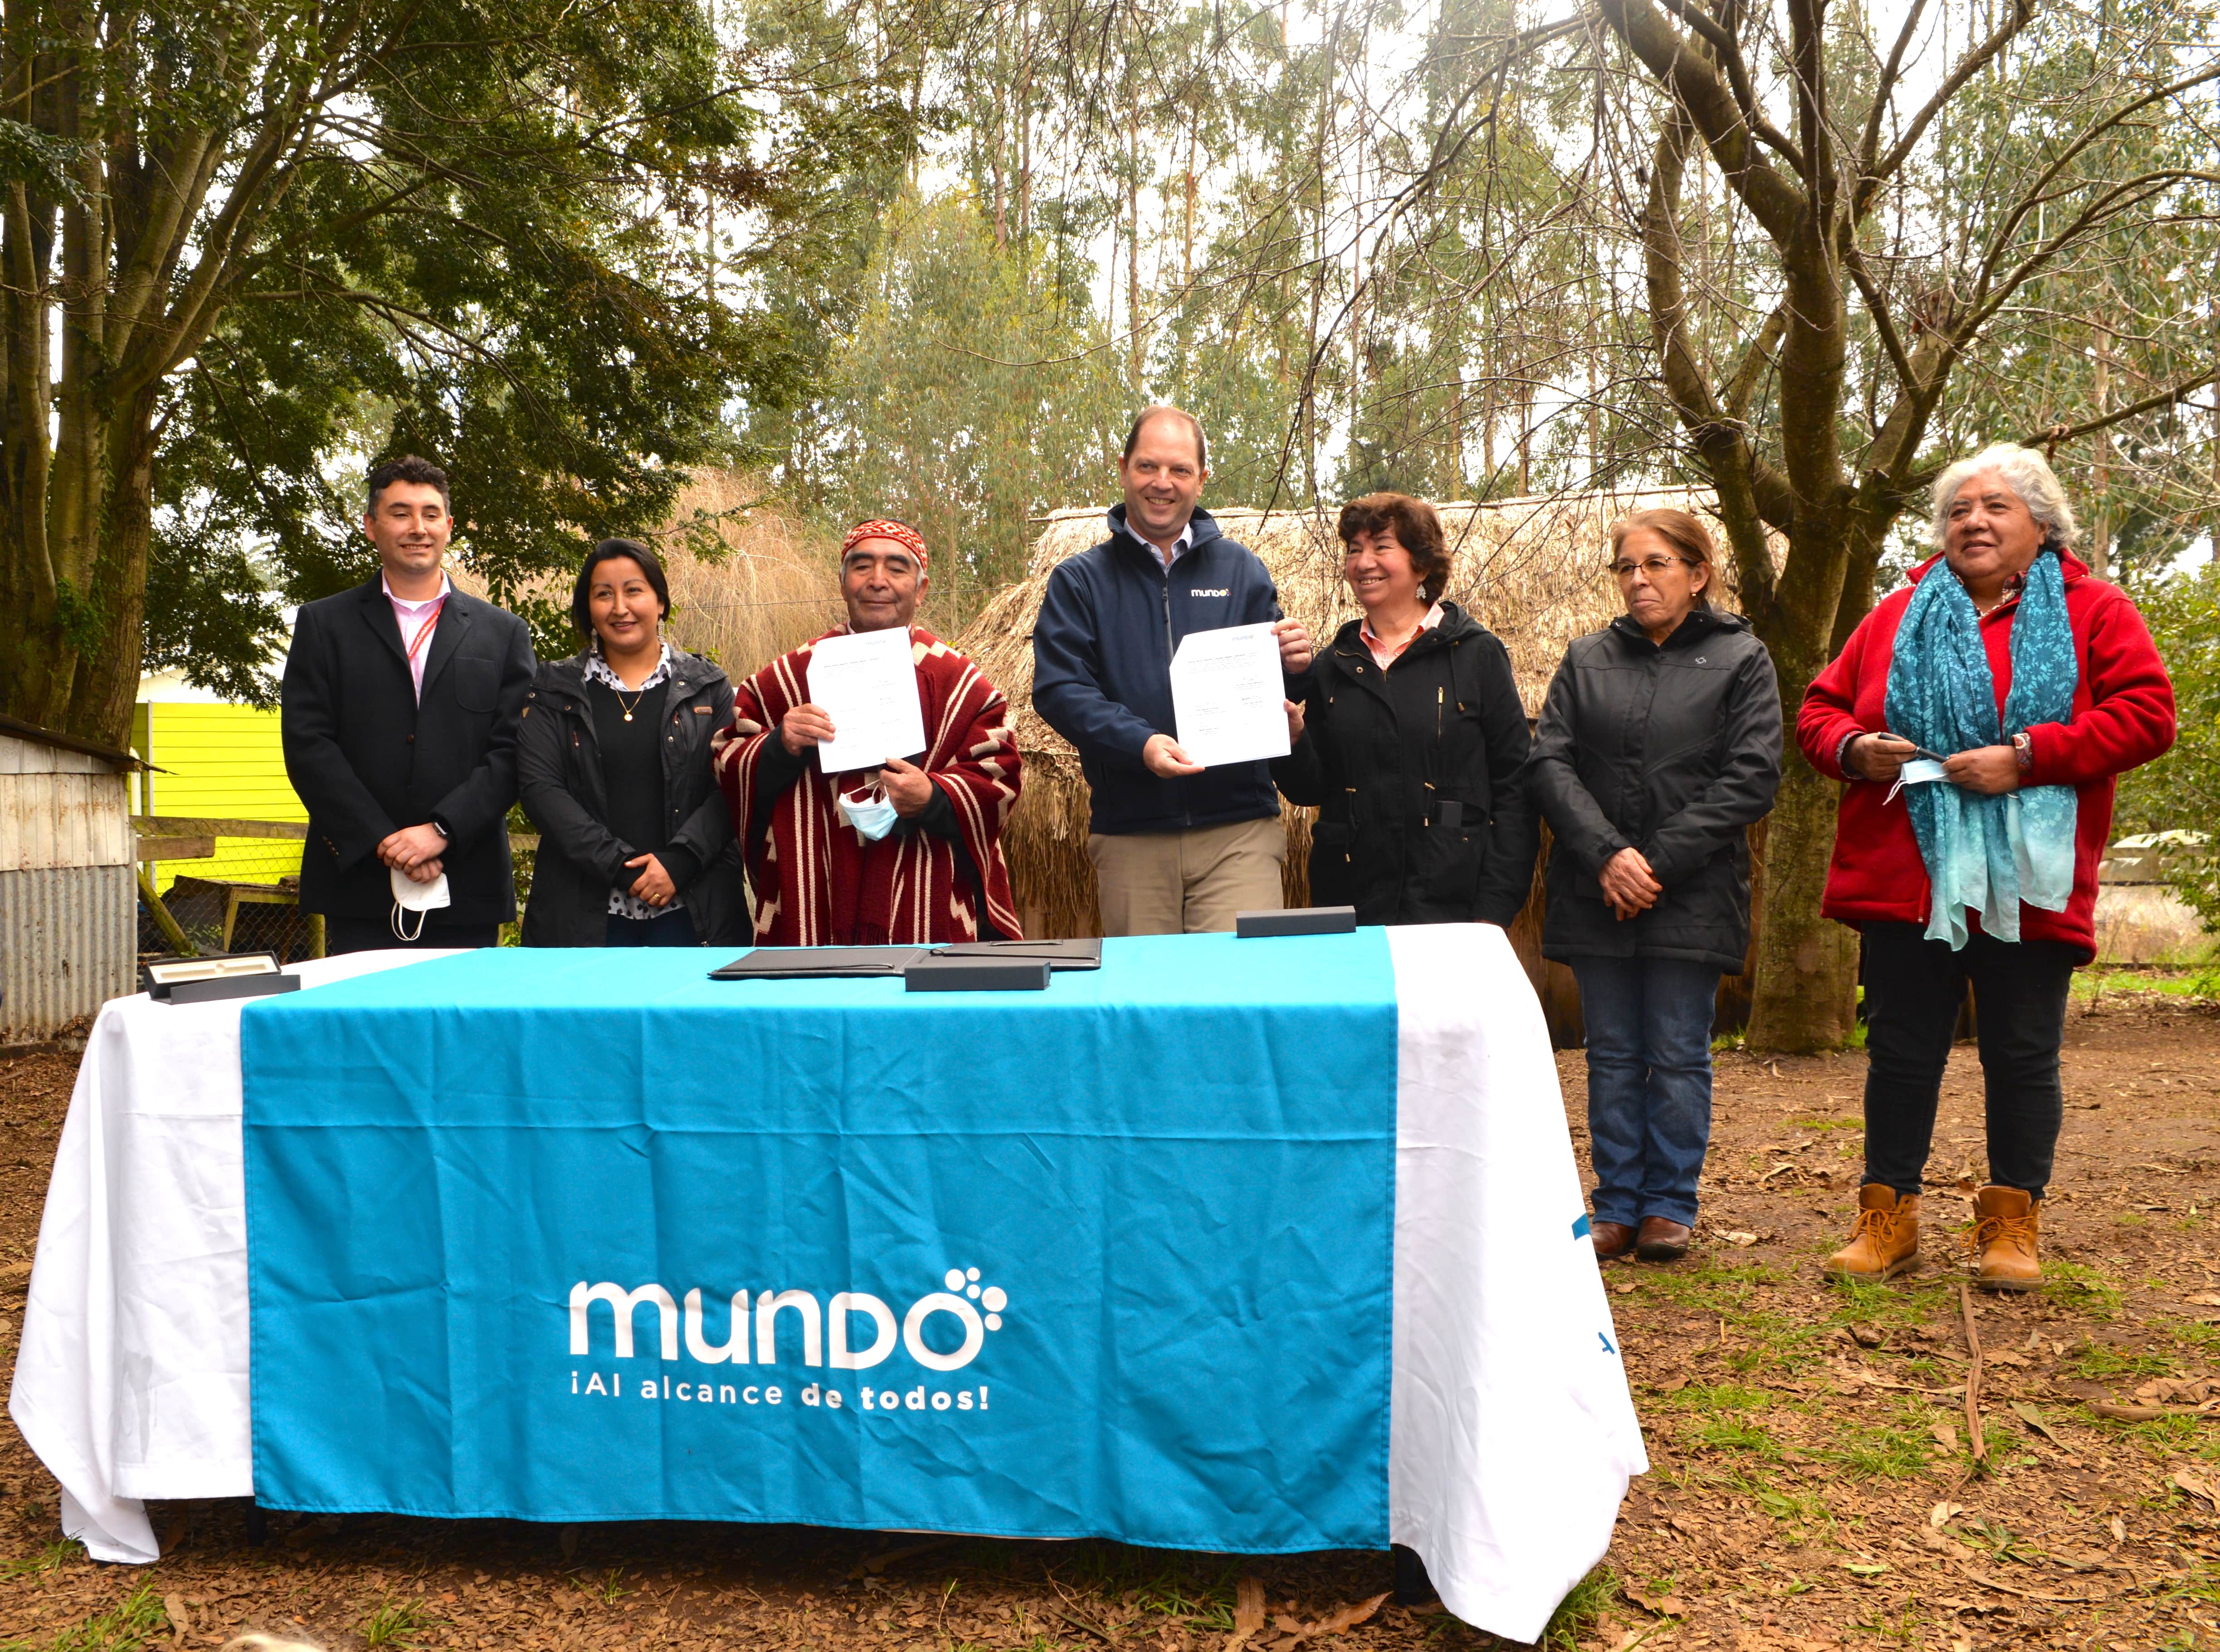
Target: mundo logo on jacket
{"type": "Point", "coordinates": [827, 1333]}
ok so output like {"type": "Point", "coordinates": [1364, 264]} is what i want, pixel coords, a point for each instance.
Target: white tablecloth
{"type": "Point", "coordinates": [1512, 1435]}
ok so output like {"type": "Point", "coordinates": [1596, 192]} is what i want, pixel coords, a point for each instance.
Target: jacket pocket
{"type": "Point", "coordinates": [478, 683]}
{"type": "Point", "coordinates": [1446, 863]}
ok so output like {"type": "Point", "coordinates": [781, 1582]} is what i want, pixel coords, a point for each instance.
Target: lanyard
{"type": "Point", "coordinates": [424, 631]}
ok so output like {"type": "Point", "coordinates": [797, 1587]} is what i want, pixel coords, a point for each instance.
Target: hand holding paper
{"type": "Point", "coordinates": [1227, 696]}
{"type": "Point", "coordinates": [866, 682]}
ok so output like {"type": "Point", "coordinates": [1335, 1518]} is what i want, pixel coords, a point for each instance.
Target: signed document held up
{"type": "Point", "coordinates": [1228, 696]}
{"type": "Point", "coordinates": [867, 683]}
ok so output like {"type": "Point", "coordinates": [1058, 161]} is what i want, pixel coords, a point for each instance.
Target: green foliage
{"type": "Point", "coordinates": [968, 400]}
{"type": "Point", "coordinates": [499, 254]}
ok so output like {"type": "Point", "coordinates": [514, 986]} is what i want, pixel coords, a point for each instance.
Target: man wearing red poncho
{"type": "Point", "coordinates": [906, 854]}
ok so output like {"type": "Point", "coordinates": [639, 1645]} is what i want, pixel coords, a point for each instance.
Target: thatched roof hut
{"type": "Point", "coordinates": [1533, 571]}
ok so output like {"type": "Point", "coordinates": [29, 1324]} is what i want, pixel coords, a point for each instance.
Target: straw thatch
{"type": "Point", "coordinates": [1533, 571]}
{"type": "Point", "coordinates": [769, 583]}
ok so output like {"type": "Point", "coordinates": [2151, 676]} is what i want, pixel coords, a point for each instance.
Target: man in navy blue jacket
{"type": "Point", "coordinates": [1177, 848]}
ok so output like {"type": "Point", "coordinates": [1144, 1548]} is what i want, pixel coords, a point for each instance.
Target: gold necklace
{"type": "Point", "coordinates": [636, 699]}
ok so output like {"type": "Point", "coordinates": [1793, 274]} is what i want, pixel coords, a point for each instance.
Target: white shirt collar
{"type": "Point", "coordinates": [1181, 546]}
{"type": "Point", "coordinates": [405, 602]}
{"type": "Point", "coordinates": [598, 669]}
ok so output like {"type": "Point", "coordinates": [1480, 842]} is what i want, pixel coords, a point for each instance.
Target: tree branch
{"type": "Point", "coordinates": [1727, 52]}
{"type": "Point", "coordinates": [1884, 323]}
{"type": "Point", "coordinates": [2052, 435]}
{"type": "Point", "coordinates": [1699, 87]}
{"type": "Point", "coordinates": [2001, 36]}
{"type": "Point", "coordinates": [1869, 144]}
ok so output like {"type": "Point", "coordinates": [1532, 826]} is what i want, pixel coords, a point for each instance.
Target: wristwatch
{"type": "Point", "coordinates": [2023, 745]}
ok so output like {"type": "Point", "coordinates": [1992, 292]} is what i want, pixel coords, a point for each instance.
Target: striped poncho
{"type": "Point", "coordinates": [815, 881]}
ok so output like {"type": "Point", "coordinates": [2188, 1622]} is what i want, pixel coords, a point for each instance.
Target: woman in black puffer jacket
{"type": "Point", "coordinates": [1410, 738]}
{"type": "Point", "coordinates": [1658, 745]}
{"type": "Point", "coordinates": [636, 845]}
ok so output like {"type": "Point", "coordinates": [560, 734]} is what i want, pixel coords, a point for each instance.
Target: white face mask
{"type": "Point", "coordinates": [409, 895]}
{"type": "Point", "coordinates": [872, 814]}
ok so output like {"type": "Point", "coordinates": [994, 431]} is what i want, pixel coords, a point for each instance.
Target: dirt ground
{"type": "Point", "coordinates": [1812, 1480]}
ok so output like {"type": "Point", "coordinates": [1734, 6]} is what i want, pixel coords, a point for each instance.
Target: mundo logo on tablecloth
{"type": "Point", "coordinates": [821, 1334]}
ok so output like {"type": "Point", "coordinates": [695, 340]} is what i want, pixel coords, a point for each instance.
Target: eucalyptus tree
{"type": "Point", "coordinates": [247, 241]}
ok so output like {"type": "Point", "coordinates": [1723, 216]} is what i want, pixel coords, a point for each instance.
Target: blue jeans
{"type": "Point", "coordinates": [672, 929]}
{"type": "Point", "coordinates": [1650, 1082]}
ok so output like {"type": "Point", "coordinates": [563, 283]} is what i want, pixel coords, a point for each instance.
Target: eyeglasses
{"type": "Point", "coordinates": [1653, 566]}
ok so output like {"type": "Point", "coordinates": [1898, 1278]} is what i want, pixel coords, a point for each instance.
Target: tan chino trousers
{"type": "Point", "coordinates": [1188, 882]}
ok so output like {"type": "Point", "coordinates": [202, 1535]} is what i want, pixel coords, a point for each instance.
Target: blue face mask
{"type": "Point", "coordinates": [872, 815]}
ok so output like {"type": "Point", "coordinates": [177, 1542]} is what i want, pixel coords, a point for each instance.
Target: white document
{"type": "Point", "coordinates": [1228, 696]}
{"type": "Point", "coordinates": [867, 683]}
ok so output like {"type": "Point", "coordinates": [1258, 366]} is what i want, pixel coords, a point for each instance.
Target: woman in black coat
{"type": "Point", "coordinates": [1658, 743]}
{"type": "Point", "coordinates": [636, 845]}
{"type": "Point", "coordinates": [1410, 738]}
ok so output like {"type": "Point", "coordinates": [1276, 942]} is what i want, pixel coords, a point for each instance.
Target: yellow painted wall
{"type": "Point", "coordinates": [226, 762]}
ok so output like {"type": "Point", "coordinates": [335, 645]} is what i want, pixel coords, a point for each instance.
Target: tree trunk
{"type": "Point", "coordinates": [1804, 994]}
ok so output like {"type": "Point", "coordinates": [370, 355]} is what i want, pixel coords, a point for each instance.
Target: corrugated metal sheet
{"type": "Point", "coordinates": [69, 940]}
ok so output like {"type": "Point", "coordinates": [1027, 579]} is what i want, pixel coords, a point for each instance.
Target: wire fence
{"type": "Point", "coordinates": [209, 886]}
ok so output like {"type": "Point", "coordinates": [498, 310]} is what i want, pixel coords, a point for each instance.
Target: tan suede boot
{"type": "Point", "coordinates": [2003, 1232]}
{"type": "Point", "coordinates": [1886, 1241]}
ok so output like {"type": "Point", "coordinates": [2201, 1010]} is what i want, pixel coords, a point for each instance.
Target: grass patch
{"type": "Point", "coordinates": [395, 1623]}
{"type": "Point", "coordinates": [1576, 1614]}
{"type": "Point", "coordinates": [2079, 1289]}
{"type": "Point", "coordinates": [2204, 1339]}
{"type": "Point", "coordinates": [1895, 1449]}
{"type": "Point", "coordinates": [2103, 1363]}
{"type": "Point", "coordinates": [126, 1627]}
{"type": "Point", "coordinates": [1862, 1302]}
{"type": "Point", "coordinates": [52, 1557]}
{"type": "Point", "coordinates": [608, 1588]}
{"type": "Point", "coordinates": [2095, 982]}
{"type": "Point", "coordinates": [1722, 1397]}
{"type": "Point", "coordinates": [1828, 1124]}
{"type": "Point", "coordinates": [1729, 1432]}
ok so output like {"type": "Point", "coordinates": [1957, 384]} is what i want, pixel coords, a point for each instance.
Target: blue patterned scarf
{"type": "Point", "coordinates": [1989, 853]}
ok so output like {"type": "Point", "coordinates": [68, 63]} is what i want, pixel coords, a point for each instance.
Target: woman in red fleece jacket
{"type": "Point", "coordinates": [1996, 516]}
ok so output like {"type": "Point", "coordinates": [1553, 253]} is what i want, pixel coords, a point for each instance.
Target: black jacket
{"type": "Point", "coordinates": [1102, 652]}
{"type": "Point", "coordinates": [1673, 750]}
{"type": "Point", "coordinates": [367, 759]}
{"type": "Point", "coordinates": [1414, 771]}
{"type": "Point", "coordinates": [559, 774]}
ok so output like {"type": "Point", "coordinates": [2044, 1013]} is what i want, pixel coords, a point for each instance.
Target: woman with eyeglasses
{"type": "Point", "coordinates": [1658, 743]}
{"type": "Point", "coordinates": [1410, 739]}
{"type": "Point", "coordinates": [636, 846]}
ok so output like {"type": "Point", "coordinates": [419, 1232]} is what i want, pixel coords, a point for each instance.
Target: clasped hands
{"type": "Point", "coordinates": [415, 851]}
{"type": "Point", "coordinates": [908, 786]}
{"type": "Point", "coordinates": [1630, 887]}
{"type": "Point", "coordinates": [1991, 770]}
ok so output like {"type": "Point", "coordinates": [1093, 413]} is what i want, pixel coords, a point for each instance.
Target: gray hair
{"type": "Point", "coordinates": [2027, 473]}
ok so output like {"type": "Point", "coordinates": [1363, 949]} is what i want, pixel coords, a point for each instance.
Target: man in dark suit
{"type": "Point", "coordinates": [401, 706]}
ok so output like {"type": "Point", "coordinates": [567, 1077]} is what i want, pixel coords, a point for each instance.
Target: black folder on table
{"type": "Point", "coordinates": [1060, 955]}
{"type": "Point", "coordinates": [806, 963]}
{"type": "Point", "coordinates": [802, 963]}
